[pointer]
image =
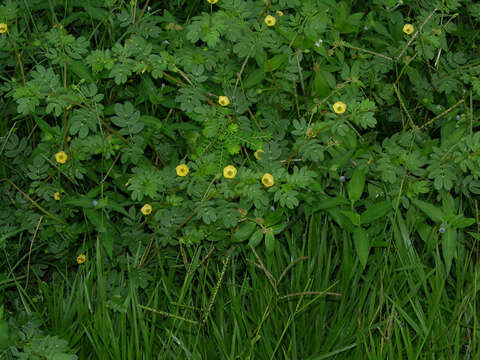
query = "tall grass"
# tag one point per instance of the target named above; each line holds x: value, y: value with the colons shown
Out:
x: 310, y: 300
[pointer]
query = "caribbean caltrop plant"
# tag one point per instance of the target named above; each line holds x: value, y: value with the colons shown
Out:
x: 219, y: 116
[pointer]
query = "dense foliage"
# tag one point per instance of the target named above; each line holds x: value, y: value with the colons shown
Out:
x: 142, y: 136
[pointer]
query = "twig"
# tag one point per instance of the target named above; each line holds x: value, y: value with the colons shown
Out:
x: 264, y: 10
x: 51, y: 216
x: 302, y: 85
x: 255, y: 120
x: 289, y: 266
x: 440, y: 115
x: 217, y: 286
x: 21, y: 68
x: 166, y: 314
x: 270, y: 277
x: 437, y: 60
x: 143, y: 10
x: 471, y: 113
x: 111, y: 167
x: 242, y: 69
x: 410, y: 120
x: 415, y: 35
x: 30, y: 251
x: 346, y: 44
x: 303, y: 293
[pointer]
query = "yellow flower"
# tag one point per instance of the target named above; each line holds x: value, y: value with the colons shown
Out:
x: 56, y: 196
x: 223, y: 100
x: 212, y: 1
x: 3, y: 28
x: 257, y: 154
x: 81, y: 258
x: 267, y: 180
x: 146, y: 209
x: 408, y: 29
x: 270, y: 20
x: 339, y: 107
x: 61, y: 157
x: 182, y: 170
x: 279, y: 13
x: 229, y: 171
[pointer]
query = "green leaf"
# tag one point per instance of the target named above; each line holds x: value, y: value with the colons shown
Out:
x: 108, y: 239
x: 316, y: 25
x: 4, y: 334
x: 244, y: 231
x: 97, y: 218
x: 43, y: 125
x: 151, y: 121
x: 275, y: 62
x: 254, y: 78
x: 449, y: 243
x: 321, y: 86
x: 432, y: 211
x: 230, y: 217
x: 356, y: 184
x: 128, y: 119
x: 362, y: 245
x: 375, y: 212
x: 83, y: 121
x: 277, y: 229
x: 352, y: 216
x: 208, y: 215
x: 274, y: 217
x: 269, y: 241
x: 286, y: 198
x: 256, y: 238
x: 461, y: 222
x: 87, y: 203
x: 327, y: 202
x: 211, y: 38
x: 80, y: 69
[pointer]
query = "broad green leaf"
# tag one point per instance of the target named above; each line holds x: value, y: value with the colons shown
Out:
x: 254, y: 78
x: 474, y: 235
x: 362, y: 244
x: 5, y: 342
x: 43, y: 125
x: 316, y: 26
x: 356, y: 184
x: 275, y: 62
x: 462, y: 222
x: 256, y: 238
x: 449, y: 243
x: 97, y: 13
x: 341, y: 219
x: 244, y: 231
x: 338, y: 161
x: 107, y: 239
x: 274, y: 217
x: 87, y: 203
x: 277, y: 229
x: 352, y: 216
x: 97, y: 218
x: 432, y: 211
x: 151, y: 121
x: 375, y: 212
x: 80, y: 69
x: 269, y: 241
x: 321, y: 86
x: 327, y: 202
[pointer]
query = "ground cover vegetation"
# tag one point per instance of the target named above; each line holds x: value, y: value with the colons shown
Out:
x: 239, y: 179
